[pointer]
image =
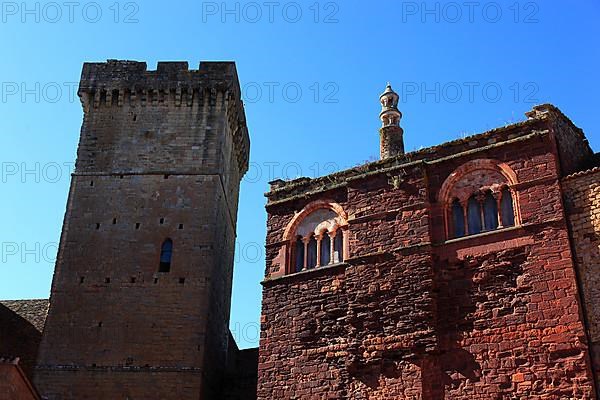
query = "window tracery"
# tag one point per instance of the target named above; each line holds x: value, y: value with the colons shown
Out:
x: 479, y: 197
x: 318, y: 237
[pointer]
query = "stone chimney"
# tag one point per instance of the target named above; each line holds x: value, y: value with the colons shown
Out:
x: 391, y: 135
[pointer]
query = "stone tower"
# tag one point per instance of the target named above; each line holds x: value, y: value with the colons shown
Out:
x: 391, y: 135
x: 142, y: 288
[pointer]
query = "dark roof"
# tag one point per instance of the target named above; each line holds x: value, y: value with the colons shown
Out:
x: 582, y: 173
x: 34, y: 311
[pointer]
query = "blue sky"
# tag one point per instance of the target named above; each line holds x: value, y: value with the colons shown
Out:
x: 311, y: 74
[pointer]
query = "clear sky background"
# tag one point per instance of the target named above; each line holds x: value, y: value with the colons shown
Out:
x: 311, y: 73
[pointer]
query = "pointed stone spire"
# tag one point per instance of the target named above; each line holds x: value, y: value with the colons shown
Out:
x: 391, y: 135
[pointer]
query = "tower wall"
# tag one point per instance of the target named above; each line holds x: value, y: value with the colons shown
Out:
x: 161, y: 156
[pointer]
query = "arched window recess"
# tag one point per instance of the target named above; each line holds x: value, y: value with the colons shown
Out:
x: 166, y: 255
x: 479, y: 197
x: 317, y: 237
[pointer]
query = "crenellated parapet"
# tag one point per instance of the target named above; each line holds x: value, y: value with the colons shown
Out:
x: 119, y: 82
x: 213, y: 87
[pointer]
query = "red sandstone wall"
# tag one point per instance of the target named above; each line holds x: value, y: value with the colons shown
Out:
x: 412, y: 316
x: 508, y: 301
x: 362, y: 330
x: 582, y: 198
x: 14, y: 385
x: 574, y: 151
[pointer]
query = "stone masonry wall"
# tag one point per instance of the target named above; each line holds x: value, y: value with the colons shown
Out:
x: 510, y: 299
x: 240, y: 381
x: 574, y: 151
x: 361, y: 329
x: 161, y: 156
x: 413, y: 315
x: 582, y: 200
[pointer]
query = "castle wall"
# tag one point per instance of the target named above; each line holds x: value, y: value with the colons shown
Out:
x: 582, y: 201
x: 509, y: 321
x: 573, y: 149
x: 413, y: 315
x: 361, y: 330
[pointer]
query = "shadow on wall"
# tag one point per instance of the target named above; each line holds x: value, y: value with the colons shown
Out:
x: 19, y: 338
x: 473, y: 294
x: 455, y: 303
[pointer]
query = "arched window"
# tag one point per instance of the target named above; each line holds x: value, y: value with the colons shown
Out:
x: 458, y: 219
x: 474, y: 215
x: 508, y: 211
x: 316, y: 237
x: 479, y: 197
x: 490, y: 212
x: 166, y: 254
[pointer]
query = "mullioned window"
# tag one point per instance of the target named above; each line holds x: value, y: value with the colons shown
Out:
x: 479, y: 197
x: 316, y: 237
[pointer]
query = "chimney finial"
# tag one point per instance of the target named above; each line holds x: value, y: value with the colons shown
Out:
x: 391, y: 134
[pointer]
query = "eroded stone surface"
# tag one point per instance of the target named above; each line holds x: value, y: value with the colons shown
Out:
x: 582, y: 199
x: 161, y: 157
x: 414, y: 315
